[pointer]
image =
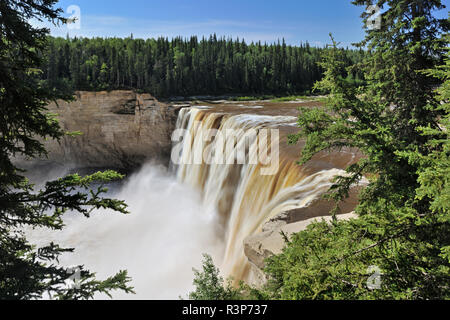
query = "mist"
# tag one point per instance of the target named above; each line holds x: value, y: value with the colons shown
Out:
x: 159, y: 242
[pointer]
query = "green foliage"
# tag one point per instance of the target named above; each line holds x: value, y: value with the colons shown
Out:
x: 210, y: 285
x: 293, y: 98
x: 252, y: 98
x: 185, y: 67
x: 27, y: 271
x: 434, y: 171
x: 334, y: 262
x: 398, y: 122
x: 401, y: 125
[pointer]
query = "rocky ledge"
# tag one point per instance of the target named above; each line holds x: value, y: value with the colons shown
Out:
x: 271, y: 241
x: 119, y: 129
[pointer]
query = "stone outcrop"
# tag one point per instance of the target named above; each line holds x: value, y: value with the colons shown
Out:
x: 316, y: 208
x: 120, y: 129
x: 271, y: 242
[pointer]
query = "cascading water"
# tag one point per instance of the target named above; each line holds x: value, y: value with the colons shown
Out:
x: 158, y: 243
x: 244, y: 197
x: 218, y: 203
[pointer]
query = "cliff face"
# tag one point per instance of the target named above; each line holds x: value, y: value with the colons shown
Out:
x: 270, y: 241
x: 123, y: 129
x: 120, y: 129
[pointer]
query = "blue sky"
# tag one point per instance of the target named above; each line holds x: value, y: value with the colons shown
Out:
x: 265, y: 20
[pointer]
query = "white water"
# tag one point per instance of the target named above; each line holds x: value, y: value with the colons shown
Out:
x: 159, y: 243
x: 245, y: 199
x: 175, y: 219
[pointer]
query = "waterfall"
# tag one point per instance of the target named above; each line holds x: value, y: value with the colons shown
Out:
x: 244, y: 196
x: 208, y: 202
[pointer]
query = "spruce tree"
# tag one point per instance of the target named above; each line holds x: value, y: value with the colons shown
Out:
x: 27, y: 271
x: 402, y: 234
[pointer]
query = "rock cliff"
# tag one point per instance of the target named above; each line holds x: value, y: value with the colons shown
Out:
x: 120, y: 129
x: 270, y: 241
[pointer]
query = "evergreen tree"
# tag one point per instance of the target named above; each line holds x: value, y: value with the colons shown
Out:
x: 399, y: 245
x: 184, y: 66
x: 27, y: 271
x: 403, y: 226
x: 210, y: 285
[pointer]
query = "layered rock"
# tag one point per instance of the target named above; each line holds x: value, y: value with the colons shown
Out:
x: 120, y: 129
x: 271, y: 242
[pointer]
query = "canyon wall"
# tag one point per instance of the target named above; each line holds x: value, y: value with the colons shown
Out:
x: 124, y: 129
x: 119, y: 129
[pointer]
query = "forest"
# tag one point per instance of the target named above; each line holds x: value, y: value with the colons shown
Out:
x: 398, y: 119
x: 186, y: 67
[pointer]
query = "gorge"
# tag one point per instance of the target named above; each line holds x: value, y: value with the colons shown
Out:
x: 193, y: 162
x: 178, y: 212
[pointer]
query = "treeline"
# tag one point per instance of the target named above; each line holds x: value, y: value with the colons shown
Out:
x: 184, y: 67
